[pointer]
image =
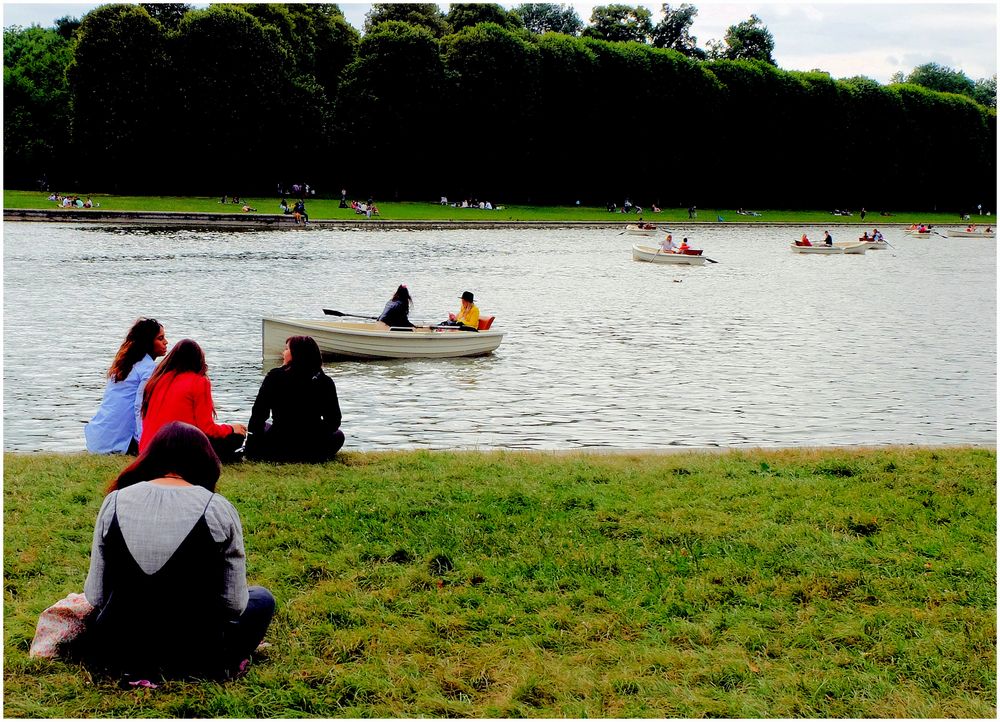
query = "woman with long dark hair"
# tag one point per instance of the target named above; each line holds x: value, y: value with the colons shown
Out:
x: 179, y: 390
x: 168, y: 568
x: 303, y: 403
x: 396, y: 313
x: 117, y: 425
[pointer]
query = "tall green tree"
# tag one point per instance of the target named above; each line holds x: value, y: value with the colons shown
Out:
x: 169, y: 14
x: 241, y: 110
x: 674, y: 31
x: 319, y: 40
x: 620, y: 23
x: 464, y: 15
x: 494, y: 89
x: 748, y: 40
x: 36, y: 121
x: 391, y: 127
x: 117, y: 79
x: 565, y: 97
x: 425, y: 15
x: 548, y: 17
x: 942, y: 79
x: 985, y: 92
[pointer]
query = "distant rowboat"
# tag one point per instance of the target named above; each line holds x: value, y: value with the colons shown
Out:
x: 966, y: 233
x: 655, y: 255
x: 645, y: 229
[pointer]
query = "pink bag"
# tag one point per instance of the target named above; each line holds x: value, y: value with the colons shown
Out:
x: 61, y: 623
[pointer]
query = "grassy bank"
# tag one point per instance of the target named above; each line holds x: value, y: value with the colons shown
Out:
x: 327, y: 209
x: 786, y: 583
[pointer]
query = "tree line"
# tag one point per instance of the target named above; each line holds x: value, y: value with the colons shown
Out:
x: 523, y: 105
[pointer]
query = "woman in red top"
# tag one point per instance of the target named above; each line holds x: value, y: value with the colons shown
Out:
x: 179, y: 390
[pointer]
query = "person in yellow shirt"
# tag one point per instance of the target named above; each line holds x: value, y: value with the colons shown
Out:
x: 467, y: 316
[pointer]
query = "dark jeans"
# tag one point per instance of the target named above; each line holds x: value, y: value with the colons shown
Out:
x: 226, y: 447
x: 266, y: 447
x: 245, y: 633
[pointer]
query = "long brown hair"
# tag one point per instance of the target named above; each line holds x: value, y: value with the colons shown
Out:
x: 137, y: 344
x: 306, y: 357
x: 186, y: 355
x: 177, y: 448
x: 403, y: 294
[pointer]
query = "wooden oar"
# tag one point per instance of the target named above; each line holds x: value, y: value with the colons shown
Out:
x: 330, y: 312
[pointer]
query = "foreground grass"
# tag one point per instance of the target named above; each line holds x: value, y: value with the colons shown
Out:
x: 789, y: 583
x: 327, y: 209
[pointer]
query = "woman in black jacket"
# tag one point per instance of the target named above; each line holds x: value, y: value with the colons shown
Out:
x: 302, y: 403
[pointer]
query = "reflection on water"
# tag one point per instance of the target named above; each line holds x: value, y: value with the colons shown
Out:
x: 765, y: 348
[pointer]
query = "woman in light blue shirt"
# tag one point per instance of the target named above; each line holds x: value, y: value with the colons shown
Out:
x: 117, y: 425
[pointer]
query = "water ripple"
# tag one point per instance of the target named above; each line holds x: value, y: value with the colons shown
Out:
x: 765, y: 348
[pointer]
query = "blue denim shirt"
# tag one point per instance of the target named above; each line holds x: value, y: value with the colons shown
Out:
x: 119, y: 418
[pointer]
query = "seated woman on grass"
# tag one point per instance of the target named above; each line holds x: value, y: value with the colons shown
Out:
x: 179, y: 390
x: 117, y: 425
x: 168, y: 569
x: 302, y: 401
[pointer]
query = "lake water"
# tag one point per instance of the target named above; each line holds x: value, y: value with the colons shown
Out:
x: 765, y: 348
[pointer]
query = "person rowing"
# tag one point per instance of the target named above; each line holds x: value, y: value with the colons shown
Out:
x: 667, y: 245
x: 396, y: 313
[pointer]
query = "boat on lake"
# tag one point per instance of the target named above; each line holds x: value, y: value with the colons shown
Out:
x: 869, y: 244
x: 836, y: 249
x: 641, y: 229
x: 655, y: 255
x: 349, y: 340
x: 966, y: 233
x: 918, y: 232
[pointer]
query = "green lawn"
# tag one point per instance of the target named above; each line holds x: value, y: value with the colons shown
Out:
x: 326, y: 209
x: 785, y: 583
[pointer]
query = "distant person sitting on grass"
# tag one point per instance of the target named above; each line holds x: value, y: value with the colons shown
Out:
x: 168, y: 569
x: 247, y: 208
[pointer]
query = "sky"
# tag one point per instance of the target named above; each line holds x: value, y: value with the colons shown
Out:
x: 844, y: 39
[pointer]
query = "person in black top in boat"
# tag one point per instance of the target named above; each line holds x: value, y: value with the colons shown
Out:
x: 396, y: 313
x: 168, y: 569
x: 302, y: 401
x: 827, y: 238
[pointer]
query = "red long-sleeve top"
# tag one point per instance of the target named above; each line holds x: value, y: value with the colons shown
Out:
x: 183, y: 397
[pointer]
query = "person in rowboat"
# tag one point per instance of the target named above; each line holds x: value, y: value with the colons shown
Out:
x: 117, y: 425
x: 804, y: 241
x: 827, y: 238
x: 684, y: 246
x: 302, y: 402
x: 667, y: 245
x: 467, y: 317
x: 396, y: 313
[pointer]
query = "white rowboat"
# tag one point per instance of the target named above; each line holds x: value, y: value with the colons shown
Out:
x: 634, y: 230
x: 651, y: 255
x: 344, y: 339
x: 911, y: 232
x: 962, y: 233
x: 825, y: 250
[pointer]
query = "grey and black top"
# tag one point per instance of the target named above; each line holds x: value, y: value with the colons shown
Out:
x: 154, y: 521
